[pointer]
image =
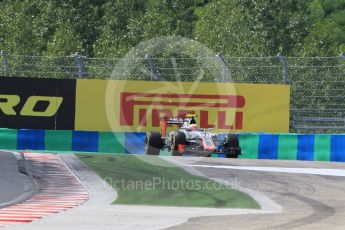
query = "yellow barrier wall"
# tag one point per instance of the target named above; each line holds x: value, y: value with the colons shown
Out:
x: 136, y: 106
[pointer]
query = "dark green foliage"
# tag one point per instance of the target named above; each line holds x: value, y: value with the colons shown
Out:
x: 105, y: 28
x: 253, y: 28
x: 326, y: 35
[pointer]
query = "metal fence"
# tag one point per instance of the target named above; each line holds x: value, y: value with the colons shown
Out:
x: 317, y: 83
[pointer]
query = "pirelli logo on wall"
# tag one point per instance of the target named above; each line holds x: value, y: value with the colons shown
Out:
x: 164, y: 104
x: 37, y: 103
x: 137, y: 106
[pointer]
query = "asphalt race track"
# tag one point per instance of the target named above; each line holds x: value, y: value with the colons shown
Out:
x: 310, y: 196
x: 13, y: 184
x: 308, y: 201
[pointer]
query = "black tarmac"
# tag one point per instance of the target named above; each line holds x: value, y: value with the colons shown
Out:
x: 13, y: 184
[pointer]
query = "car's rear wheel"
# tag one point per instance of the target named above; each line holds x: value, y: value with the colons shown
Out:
x: 231, y: 147
x: 153, y: 143
x: 178, y: 139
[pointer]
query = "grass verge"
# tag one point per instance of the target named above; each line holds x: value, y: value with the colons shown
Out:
x: 149, y: 180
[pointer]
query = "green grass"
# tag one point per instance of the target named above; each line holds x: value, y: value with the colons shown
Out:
x: 149, y: 180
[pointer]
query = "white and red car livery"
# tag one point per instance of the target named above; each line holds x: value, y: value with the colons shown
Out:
x: 189, y: 139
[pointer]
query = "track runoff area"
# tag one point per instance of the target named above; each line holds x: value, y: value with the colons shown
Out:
x: 232, y: 193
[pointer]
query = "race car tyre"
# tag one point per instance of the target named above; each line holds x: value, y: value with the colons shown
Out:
x: 178, y: 139
x: 231, y: 147
x: 153, y: 143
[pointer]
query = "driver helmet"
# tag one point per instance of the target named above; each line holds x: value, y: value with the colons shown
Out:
x: 193, y: 127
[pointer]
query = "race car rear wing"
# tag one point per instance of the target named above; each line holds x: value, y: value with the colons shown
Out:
x: 174, y: 121
x: 170, y: 121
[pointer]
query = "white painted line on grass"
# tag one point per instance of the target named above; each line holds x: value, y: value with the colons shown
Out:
x: 314, y: 171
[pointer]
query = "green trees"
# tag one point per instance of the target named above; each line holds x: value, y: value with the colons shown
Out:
x: 78, y: 20
x: 170, y: 17
x: 326, y: 35
x: 27, y: 27
x: 107, y: 28
x: 127, y: 22
x: 65, y: 41
x: 18, y: 33
x: 121, y: 27
x: 252, y: 28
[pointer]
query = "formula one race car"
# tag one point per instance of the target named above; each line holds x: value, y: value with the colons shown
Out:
x: 189, y: 139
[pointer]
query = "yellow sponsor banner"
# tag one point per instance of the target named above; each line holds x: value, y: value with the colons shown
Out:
x: 138, y: 106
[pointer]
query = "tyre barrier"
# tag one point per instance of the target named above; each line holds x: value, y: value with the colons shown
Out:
x: 278, y: 146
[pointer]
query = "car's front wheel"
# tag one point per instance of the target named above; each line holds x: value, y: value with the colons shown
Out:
x: 231, y: 147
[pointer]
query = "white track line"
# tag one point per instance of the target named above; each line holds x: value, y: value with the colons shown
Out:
x: 314, y: 171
